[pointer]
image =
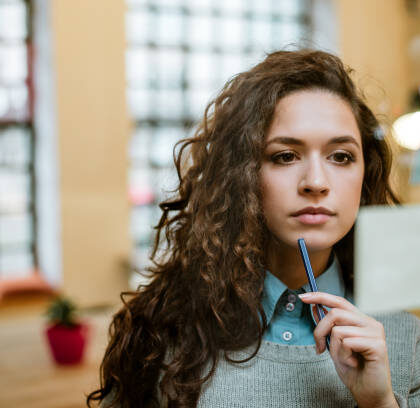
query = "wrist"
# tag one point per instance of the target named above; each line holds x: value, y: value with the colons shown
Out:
x: 391, y: 402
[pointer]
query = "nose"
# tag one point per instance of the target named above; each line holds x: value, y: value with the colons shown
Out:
x: 314, y: 179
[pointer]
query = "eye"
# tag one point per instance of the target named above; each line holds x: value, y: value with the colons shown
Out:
x: 284, y: 157
x: 343, y: 157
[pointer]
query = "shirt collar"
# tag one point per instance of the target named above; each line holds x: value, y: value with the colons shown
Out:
x: 330, y: 281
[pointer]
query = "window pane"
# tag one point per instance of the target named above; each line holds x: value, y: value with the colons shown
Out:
x: 14, y: 147
x: 232, y: 33
x: 287, y: 33
x: 288, y: 8
x: 201, y: 69
x: 162, y: 145
x: 200, y: 5
x: 169, y: 68
x: 169, y: 104
x: 138, y: 67
x: 139, y: 145
x: 13, y: 64
x: 201, y: 31
x: 138, y: 26
x: 16, y: 264
x: 141, y: 185
x: 169, y: 29
x: 15, y: 191
x: 139, y: 103
x: 13, y: 21
x: 141, y: 228
x: 15, y: 229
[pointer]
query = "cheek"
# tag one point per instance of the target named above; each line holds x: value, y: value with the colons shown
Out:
x: 275, y: 189
x: 349, y: 192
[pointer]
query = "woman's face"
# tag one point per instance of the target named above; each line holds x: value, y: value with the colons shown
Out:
x: 313, y: 158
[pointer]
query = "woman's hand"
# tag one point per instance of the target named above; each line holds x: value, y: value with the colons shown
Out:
x: 358, y: 349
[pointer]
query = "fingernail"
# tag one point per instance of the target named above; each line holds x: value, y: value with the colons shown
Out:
x: 305, y: 295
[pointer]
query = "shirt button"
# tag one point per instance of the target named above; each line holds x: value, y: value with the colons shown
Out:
x: 287, y: 335
x: 290, y: 307
x: 291, y: 297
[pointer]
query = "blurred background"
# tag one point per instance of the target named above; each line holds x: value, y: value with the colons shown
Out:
x: 93, y: 96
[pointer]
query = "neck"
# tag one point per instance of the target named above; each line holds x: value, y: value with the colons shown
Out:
x: 285, y: 262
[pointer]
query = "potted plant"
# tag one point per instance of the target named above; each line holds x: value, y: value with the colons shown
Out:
x: 66, y: 334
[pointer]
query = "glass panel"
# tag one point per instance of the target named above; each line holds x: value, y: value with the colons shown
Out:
x: 135, y: 3
x: 138, y: 26
x: 166, y: 179
x: 198, y: 100
x: 170, y: 3
x: 232, y: 6
x: 141, y: 228
x: 139, y: 145
x: 162, y: 145
x: 231, y: 65
x: 169, y: 29
x: 169, y: 68
x: 13, y: 21
x: 232, y: 33
x: 16, y: 264
x: 200, y: 5
x: 4, y: 102
x: 141, y: 256
x: 288, y: 8
x: 169, y: 104
x: 13, y: 64
x: 18, y: 99
x: 201, y: 68
x: 201, y: 31
x: 14, y: 147
x: 138, y: 67
x: 15, y: 190
x: 261, y: 35
x: 262, y: 6
x: 15, y: 229
x: 287, y: 33
x: 141, y: 185
x: 139, y: 103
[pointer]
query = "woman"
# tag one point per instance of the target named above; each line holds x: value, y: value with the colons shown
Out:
x: 287, y: 150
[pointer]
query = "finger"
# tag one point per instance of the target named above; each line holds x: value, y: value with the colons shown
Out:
x: 346, y: 355
x: 338, y: 333
x: 327, y: 299
x: 372, y: 349
x: 335, y: 317
x: 315, y: 312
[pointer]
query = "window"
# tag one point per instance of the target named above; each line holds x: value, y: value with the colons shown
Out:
x: 179, y: 54
x: 17, y: 221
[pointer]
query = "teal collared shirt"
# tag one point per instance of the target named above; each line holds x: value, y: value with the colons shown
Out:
x: 289, y: 320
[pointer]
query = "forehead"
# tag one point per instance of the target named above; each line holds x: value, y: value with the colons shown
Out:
x: 313, y: 115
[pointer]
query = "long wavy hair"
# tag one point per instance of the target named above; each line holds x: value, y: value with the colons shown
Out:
x: 203, y: 299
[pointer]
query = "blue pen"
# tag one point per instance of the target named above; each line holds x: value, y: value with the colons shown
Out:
x: 311, y: 279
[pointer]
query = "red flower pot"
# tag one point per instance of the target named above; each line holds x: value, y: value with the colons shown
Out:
x: 67, y: 343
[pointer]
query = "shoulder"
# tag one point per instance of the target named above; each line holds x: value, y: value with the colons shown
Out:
x: 402, y: 332
x: 399, y: 323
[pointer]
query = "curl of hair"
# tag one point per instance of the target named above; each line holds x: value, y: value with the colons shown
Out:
x: 204, y: 297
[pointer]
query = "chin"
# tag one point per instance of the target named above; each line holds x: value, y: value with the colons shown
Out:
x: 315, y: 241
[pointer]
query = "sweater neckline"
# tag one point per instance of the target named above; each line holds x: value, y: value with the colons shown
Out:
x: 282, y: 353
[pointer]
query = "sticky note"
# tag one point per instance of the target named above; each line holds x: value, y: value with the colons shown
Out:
x: 387, y: 259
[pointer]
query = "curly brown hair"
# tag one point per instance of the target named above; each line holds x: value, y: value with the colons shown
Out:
x: 205, y: 293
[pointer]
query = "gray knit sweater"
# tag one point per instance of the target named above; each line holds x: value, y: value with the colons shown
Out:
x: 295, y: 376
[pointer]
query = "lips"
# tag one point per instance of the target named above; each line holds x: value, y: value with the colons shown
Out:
x: 313, y: 210
x: 313, y: 215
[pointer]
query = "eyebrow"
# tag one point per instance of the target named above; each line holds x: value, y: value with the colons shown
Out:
x: 293, y: 141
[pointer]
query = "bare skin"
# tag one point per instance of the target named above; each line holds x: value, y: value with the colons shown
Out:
x: 306, y: 165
